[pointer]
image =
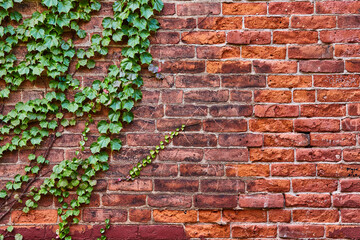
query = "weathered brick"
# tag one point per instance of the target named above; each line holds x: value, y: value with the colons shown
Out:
x: 293, y: 170
x: 127, y: 200
x: 323, y: 110
x: 251, y: 231
x: 271, y: 155
x: 347, y: 50
x: 99, y: 215
x: 346, y: 200
x: 286, y: 140
x: 247, y: 170
x: 313, y: 22
x: 175, y: 216
x: 244, y: 8
x: 350, y: 185
x: 190, y: 81
x: 318, y: 155
x: 249, y: 37
x: 228, y: 67
x: 183, y: 67
x: 348, y: 21
x: 266, y: 22
x: 268, y: 185
x: 279, y: 215
x: 299, y: 37
x: 208, y: 230
x: 244, y: 215
x: 203, y: 37
x: 352, y: 65
x: 235, y: 81
x: 220, y: 23
x: 338, y: 7
x: 178, y: 185
x: 328, y: 66
x: 173, y: 200
x: 177, y: 23
x: 189, y: 170
x: 272, y: 96
x: 215, y: 201
x: 350, y: 215
x: 337, y: 170
x: 317, y: 125
x: 139, y: 215
x: 193, y: 9
x: 301, y: 96
x: 314, y: 185
x: 172, y: 52
x: 276, y: 111
x: 308, y: 200
x: 262, y: 201
x: 315, y: 215
x: 35, y: 217
x: 336, y: 139
x: 270, y: 125
x: 222, y: 185
x: 275, y: 66
x: 212, y: 52
x: 300, y: 231
x: 206, y: 96
x: 209, y: 216
x: 263, y: 52
x: 246, y: 139
x: 351, y: 155
x: 340, y: 36
x: 348, y: 80
x: 310, y: 52
x: 231, y: 110
x: 291, y: 8
x: 226, y: 154
x: 342, y: 231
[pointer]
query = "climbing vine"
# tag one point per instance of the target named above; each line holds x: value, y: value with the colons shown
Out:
x: 50, y: 55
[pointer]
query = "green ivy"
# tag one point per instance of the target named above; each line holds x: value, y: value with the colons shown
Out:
x: 50, y: 54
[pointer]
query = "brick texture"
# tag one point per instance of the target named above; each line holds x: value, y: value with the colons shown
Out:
x: 270, y: 91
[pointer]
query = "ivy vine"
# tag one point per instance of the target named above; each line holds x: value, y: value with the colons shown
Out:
x: 50, y: 54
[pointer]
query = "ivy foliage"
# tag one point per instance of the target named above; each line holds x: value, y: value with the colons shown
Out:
x: 50, y: 53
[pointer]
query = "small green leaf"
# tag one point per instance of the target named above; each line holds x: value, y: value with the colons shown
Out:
x: 10, y: 228
x: 116, y: 144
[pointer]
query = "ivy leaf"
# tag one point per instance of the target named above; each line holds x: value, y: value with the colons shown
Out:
x: 16, y: 16
x: 18, y: 236
x: 3, y: 194
x: 115, y: 128
x: 157, y: 4
x: 50, y: 3
x: 103, y: 141
x: 10, y: 229
x: 128, y: 105
x: 128, y: 117
x: 133, y: 41
x: 146, y: 58
x: 117, y: 36
x: 114, y: 116
x: 133, y: 5
x: 64, y: 6
x: 146, y: 12
x: 107, y: 22
x: 94, y: 147
x: 90, y: 64
x: 117, y: 6
x: 103, y: 127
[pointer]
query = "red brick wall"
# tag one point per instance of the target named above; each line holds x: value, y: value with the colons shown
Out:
x: 270, y: 92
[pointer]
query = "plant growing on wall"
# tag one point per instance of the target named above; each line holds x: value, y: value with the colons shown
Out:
x: 50, y: 55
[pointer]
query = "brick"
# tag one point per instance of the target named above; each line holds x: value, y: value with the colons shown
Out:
x: 348, y: 80
x: 340, y: 36
x: 350, y: 215
x: 262, y: 201
x: 276, y: 111
x: 208, y: 230
x: 249, y: 37
x: 228, y: 67
x: 308, y: 200
x: 203, y: 37
x: 338, y: 7
x: 206, y: 96
x: 141, y: 185
x: 350, y: 124
x: 220, y: 23
x: 222, y: 125
x: 172, y: 200
x: 354, y: 109
x: 244, y: 8
x: 291, y: 8
x: 35, y: 216
x: 346, y: 200
x: 351, y: 155
x: 142, y: 139
x: 344, y: 231
x: 300, y: 231
x: 251, y: 231
x: 185, y: 110
x: 286, y: 140
x: 317, y: 125
x: 180, y: 155
x: 318, y: 155
x: 189, y: 170
x: 178, y: 185
x: 352, y: 65
x: 293, y: 170
x: 222, y: 185
x: 246, y: 139
x: 175, y: 216
x: 212, y: 52
x: 252, y: 215
x: 139, y: 215
x: 183, y: 67
x: 172, y: 52
x: 266, y: 22
x: 157, y: 232
x: 313, y: 22
x: 326, y: 140
x: 327, y: 66
x: 272, y: 96
x: 350, y: 185
x: 304, y: 96
x: 193, y: 9
x: 347, y: 50
x: 299, y: 37
x: 310, y: 52
x: 177, y: 23
x: 275, y: 66
x: 209, y: 216
x: 165, y: 38
x: 242, y: 81
x: 240, y: 96
x: 195, y: 140
x: 315, y: 215
x: 247, y: 170
x: 263, y: 52
x: 161, y: 170
x: 314, y: 185
x: 349, y: 21
x: 99, y: 215
x: 231, y: 110
x: 190, y: 81
x: 270, y: 125
x: 173, y: 123
x: 337, y: 170
x: 215, y: 201
x: 279, y: 215
x: 268, y: 185
x: 271, y: 155
x: 126, y: 200
x: 149, y: 111
x: 323, y: 110
x: 226, y: 154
